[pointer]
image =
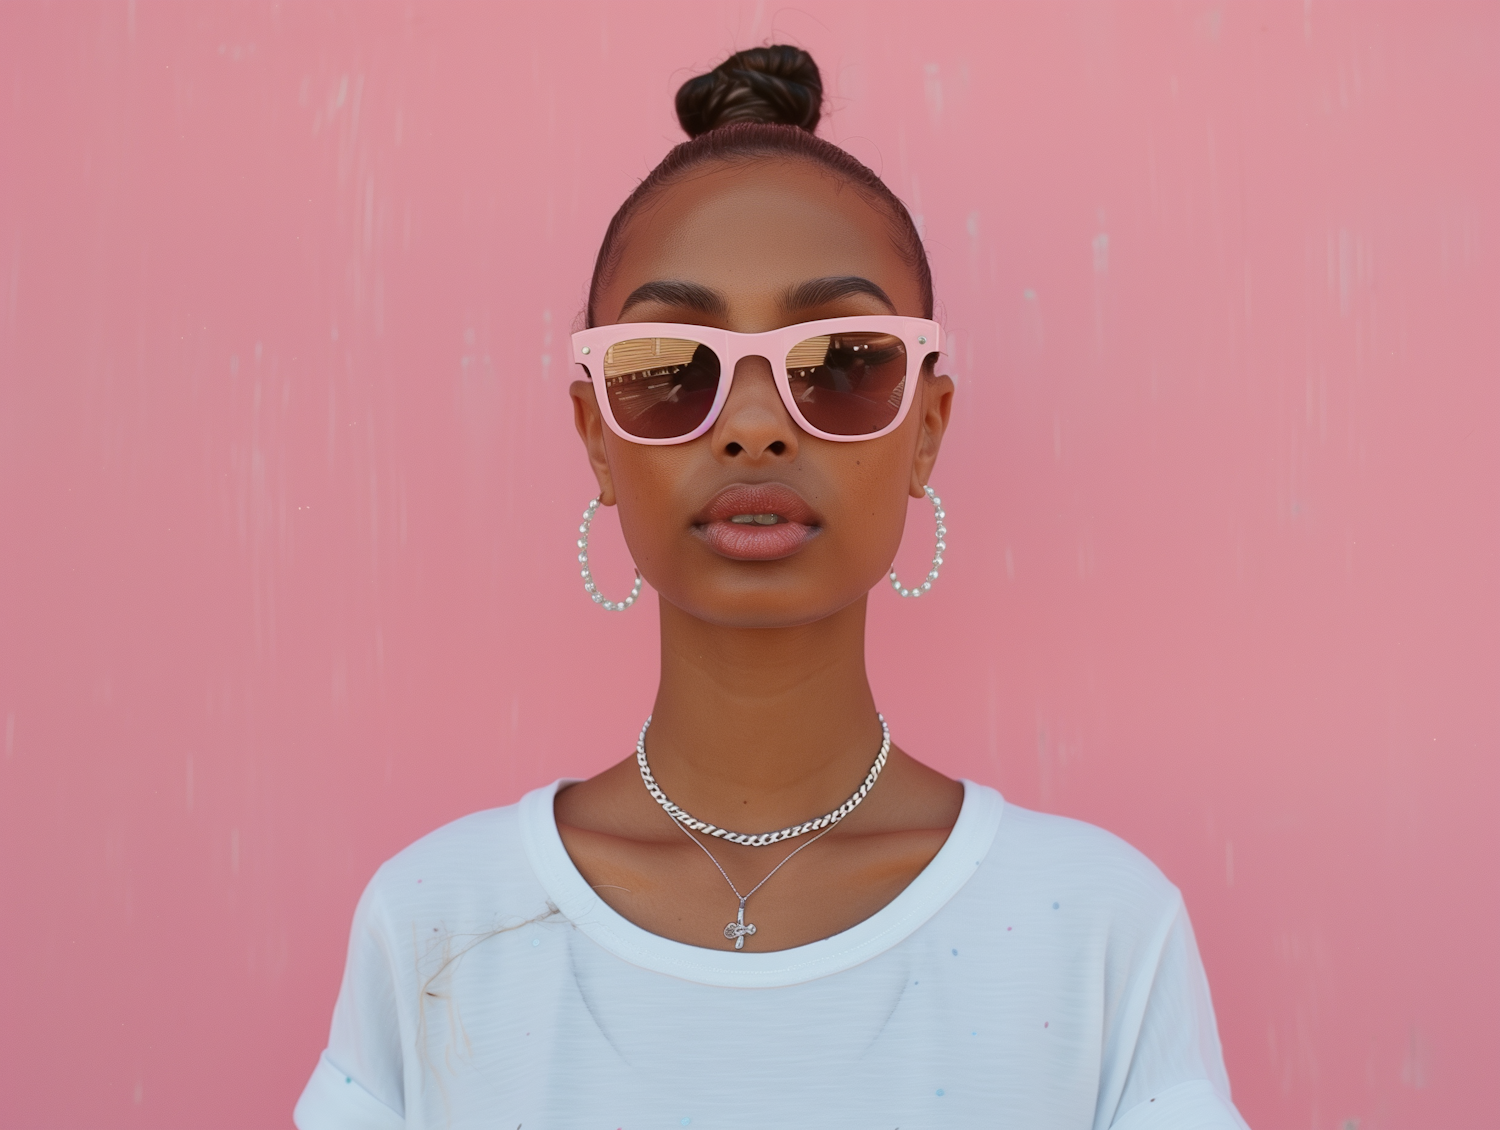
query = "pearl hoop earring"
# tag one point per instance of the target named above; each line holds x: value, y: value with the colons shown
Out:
x: 937, y: 555
x: 588, y: 578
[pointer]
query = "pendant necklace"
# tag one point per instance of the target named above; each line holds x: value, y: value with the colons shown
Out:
x: 739, y: 929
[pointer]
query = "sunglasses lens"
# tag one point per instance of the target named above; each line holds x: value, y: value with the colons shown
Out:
x: 660, y: 387
x: 848, y: 384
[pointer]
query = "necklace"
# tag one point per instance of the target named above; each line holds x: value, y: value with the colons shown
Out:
x: 824, y: 822
x: 739, y: 928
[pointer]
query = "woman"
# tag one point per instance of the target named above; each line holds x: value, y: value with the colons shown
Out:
x: 770, y: 915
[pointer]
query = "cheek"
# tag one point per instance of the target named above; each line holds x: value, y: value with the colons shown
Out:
x: 869, y: 506
x: 649, y: 483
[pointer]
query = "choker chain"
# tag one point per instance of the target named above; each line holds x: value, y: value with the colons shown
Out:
x: 762, y: 839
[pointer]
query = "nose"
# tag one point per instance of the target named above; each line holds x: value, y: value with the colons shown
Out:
x: 754, y: 425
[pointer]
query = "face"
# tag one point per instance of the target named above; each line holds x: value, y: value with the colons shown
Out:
x: 756, y: 523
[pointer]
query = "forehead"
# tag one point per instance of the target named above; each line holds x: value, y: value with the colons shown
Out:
x: 753, y: 230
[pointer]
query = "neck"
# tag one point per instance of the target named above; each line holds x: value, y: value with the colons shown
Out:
x: 757, y: 728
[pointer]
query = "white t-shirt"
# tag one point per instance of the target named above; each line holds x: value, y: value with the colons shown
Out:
x: 1039, y: 973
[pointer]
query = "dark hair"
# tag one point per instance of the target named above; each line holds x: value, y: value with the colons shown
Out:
x: 763, y: 102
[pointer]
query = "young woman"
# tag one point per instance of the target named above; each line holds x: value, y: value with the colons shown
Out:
x: 769, y: 915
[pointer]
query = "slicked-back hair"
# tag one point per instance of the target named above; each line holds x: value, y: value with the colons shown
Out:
x: 744, y: 143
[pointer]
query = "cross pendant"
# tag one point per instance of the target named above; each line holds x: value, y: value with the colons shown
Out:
x: 738, y: 928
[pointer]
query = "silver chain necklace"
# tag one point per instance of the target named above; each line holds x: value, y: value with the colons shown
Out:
x: 763, y: 839
x: 739, y: 929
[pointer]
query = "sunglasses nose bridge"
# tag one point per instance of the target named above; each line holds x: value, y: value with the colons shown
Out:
x: 751, y: 354
x: 748, y: 367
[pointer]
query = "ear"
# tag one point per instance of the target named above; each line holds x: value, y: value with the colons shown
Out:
x: 591, y: 428
x: 932, y: 409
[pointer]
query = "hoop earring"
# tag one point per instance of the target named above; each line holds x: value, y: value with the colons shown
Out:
x: 937, y: 555
x: 588, y: 578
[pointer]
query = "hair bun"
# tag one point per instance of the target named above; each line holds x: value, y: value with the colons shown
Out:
x: 776, y: 84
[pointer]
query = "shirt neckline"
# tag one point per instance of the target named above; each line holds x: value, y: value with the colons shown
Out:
x: 959, y: 857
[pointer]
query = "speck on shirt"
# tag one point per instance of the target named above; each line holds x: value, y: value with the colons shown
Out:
x: 1039, y: 973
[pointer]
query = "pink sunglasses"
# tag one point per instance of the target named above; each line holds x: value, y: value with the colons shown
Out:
x: 842, y: 379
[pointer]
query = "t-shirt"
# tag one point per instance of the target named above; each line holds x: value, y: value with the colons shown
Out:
x: 1038, y: 973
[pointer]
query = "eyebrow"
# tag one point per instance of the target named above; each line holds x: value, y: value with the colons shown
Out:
x: 803, y: 296
x: 820, y: 292
x: 669, y: 292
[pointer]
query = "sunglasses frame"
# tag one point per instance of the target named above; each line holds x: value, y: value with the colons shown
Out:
x: 921, y: 336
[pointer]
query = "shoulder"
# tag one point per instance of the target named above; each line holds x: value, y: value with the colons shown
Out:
x: 1042, y: 858
x: 1076, y: 849
x: 459, y: 840
x: 469, y: 872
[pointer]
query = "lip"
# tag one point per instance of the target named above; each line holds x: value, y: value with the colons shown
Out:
x: 799, y: 522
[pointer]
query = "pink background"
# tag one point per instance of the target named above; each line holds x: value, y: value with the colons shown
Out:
x: 288, y: 485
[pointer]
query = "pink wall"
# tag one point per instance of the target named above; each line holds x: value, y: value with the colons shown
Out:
x: 288, y: 480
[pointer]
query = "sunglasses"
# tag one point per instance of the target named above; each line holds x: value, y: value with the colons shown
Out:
x: 842, y: 379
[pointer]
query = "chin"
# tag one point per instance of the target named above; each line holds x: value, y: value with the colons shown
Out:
x: 779, y: 606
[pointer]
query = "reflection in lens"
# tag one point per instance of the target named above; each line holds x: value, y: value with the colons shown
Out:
x: 660, y: 387
x: 848, y: 384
